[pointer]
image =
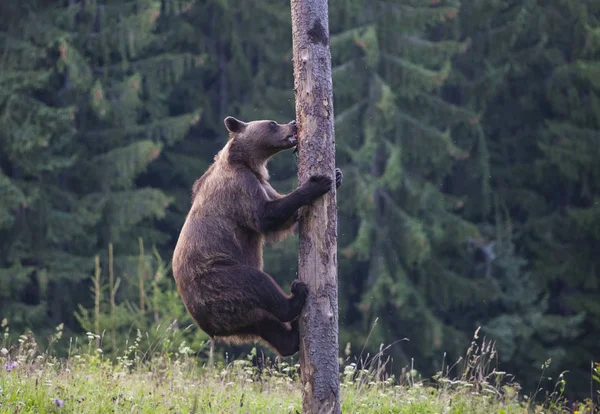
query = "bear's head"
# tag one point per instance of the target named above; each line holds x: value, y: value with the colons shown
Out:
x: 257, y: 141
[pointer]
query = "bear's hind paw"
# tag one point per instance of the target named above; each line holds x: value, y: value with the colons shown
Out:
x: 299, y: 288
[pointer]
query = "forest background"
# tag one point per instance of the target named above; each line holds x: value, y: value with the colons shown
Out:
x: 468, y: 133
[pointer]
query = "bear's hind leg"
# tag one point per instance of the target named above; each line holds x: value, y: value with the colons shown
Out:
x: 237, y: 290
x: 279, y: 336
x: 285, y: 307
x: 286, y: 341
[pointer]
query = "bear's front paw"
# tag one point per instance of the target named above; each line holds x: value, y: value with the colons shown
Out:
x: 338, y: 177
x: 299, y: 289
x: 319, y: 184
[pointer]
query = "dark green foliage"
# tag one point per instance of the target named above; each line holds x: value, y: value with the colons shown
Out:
x: 565, y: 238
x: 125, y: 120
x: 401, y: 141
x: 467, y: 132
x: 39, y: 214
x: 502, y: 77
x: 82, y: 118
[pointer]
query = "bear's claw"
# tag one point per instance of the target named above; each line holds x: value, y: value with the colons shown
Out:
x: 338, y: 177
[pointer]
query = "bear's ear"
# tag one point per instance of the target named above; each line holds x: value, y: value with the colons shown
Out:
x: 234, y: 125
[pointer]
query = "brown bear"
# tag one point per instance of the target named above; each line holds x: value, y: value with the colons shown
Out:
x: 218, y: 259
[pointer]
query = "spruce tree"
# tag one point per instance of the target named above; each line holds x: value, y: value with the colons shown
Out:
x: 40, y: 221
x: 500, y: 78
x: 566, y: 238
x: 93, y: 115
x: 125, y: 119
x: 403, y: 235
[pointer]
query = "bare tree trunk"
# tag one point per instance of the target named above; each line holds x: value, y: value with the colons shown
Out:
x: 317, y: 264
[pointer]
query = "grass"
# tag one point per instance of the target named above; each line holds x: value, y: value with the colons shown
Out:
x: 167, y: 380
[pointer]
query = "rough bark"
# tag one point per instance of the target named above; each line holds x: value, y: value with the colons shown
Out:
x: 317, y: 266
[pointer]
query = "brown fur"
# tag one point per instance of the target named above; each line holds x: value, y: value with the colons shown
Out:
x: 218, y: 259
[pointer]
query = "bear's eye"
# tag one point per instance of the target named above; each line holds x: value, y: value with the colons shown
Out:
x: 273, y: 124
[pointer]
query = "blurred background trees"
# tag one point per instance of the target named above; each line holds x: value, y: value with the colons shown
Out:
x: 467, y: 131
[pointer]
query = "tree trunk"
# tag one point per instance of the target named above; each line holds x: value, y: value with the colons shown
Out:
x: 317, y: 265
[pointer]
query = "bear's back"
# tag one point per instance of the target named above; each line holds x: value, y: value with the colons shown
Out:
x: 217, y: 230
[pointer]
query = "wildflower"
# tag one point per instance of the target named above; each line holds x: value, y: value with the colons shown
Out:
x: 4, y: 351
x: 9, y: 366
x: 58, y: 402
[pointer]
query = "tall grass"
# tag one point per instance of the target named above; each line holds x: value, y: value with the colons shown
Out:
x: 153, y: 375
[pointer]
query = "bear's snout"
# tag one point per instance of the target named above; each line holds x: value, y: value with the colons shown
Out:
x: 293, y: 138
